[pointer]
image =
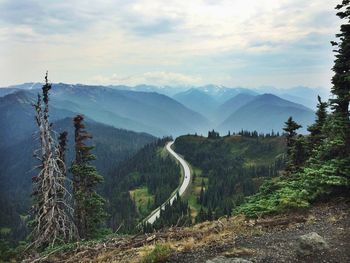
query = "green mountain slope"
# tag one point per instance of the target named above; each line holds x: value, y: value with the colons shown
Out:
x: 228, y: 168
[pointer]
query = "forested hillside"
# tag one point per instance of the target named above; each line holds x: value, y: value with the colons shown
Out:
x: 16, y: 165
x: 228, y: 168
x: 140, y: 184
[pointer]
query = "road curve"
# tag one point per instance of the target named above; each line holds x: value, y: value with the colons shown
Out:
x: 185, y: 183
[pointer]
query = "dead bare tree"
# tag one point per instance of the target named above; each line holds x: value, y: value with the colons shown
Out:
x: 53, y: 221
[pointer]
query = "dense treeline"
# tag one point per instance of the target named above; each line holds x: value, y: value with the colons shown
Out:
x: 318, y: 165
x: 112, y: 146
x: 234, y: 165
x: 150, y: 167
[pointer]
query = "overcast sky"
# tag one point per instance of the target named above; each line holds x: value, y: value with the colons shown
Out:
x: 249, y: 43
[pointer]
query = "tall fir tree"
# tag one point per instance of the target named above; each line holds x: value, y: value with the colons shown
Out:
x: 341, y: 82
x: 316, y: 129
x: 293, y: 145
x: 62, y: 144
x: 89, y: 211
x: 333, y: 156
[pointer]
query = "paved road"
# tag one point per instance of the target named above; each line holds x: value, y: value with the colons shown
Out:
x: 185, y: 183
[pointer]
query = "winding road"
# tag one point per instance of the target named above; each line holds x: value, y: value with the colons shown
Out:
x: 185, y: 183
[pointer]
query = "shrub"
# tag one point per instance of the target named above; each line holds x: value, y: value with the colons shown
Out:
x: 160, y: 253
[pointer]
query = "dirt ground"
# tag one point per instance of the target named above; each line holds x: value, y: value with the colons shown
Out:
x: 271, y: 239
x: 277, y: 241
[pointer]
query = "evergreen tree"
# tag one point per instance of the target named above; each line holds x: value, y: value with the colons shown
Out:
x: 299, y: 151
x: 89, y: 206
x: 201, y: 216
x: 316, y: 129
x: 201, y: 195
x: 341, y: 83
x: 62, y: 144
x: 290, y: 128
x: 213, y: 134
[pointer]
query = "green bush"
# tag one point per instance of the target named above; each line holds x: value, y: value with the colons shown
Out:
x: 159, y: 254
x: 296, y: 191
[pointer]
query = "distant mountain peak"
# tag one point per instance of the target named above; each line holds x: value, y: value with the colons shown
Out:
x: 20, y: 96
x: 269, y: 96
x: 271, y: 99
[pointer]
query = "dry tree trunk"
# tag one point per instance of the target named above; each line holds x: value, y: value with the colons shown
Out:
x: 52, y: 213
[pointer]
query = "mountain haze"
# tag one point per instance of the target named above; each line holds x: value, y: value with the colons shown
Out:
x: 231, y: 105
x: 265, y: 113
x: 139, y: 111
x: 196, y: 109
x: 198, y: 100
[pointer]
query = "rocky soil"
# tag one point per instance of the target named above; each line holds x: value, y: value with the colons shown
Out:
x: 279, y: 240
x: 235, y: 239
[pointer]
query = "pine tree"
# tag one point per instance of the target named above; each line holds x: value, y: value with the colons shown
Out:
x: 316, y: 129
x: 201, y: 215
x: 62, y: 143
x: 299, y: 152
x: 291, y: 127
x: 201, y: 195
x: 341, y: 82
x: 89, y: 206
x: 52, y: 214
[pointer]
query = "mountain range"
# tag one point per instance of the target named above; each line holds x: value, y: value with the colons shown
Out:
x: 163, y: 111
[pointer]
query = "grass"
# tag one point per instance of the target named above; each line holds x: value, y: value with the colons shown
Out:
x: 160, y: 253
x: 142, y: 199
x: 266, y: 153
x: 5, y: 231
x: 162, y: 151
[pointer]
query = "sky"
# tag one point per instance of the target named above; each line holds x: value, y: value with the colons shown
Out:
x: 250, y: 43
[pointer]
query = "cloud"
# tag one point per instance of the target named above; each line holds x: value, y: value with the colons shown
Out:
x: 159, y: 78
x: 160, y: 26
x: 211, y: 41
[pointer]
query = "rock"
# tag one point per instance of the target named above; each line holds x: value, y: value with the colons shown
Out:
x: 227, y: 260
x: 311, y: 244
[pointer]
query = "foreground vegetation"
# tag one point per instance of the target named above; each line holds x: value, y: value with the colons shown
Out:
x: 254, y: 240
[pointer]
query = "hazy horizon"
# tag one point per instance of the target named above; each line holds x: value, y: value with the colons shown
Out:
x: 184, y: 87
